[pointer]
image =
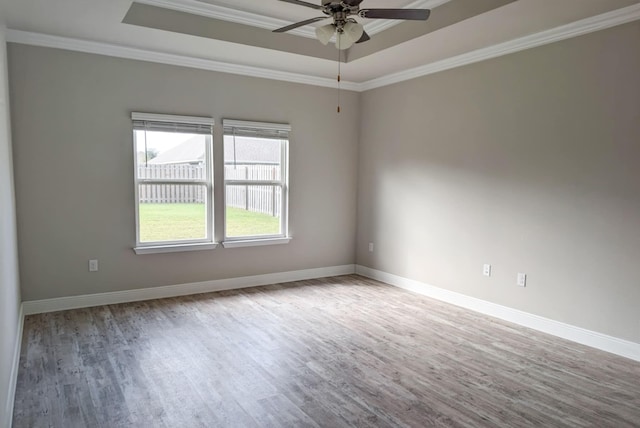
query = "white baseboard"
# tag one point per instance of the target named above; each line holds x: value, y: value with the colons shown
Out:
x: 89, y: 300
x: 580, y: 335
x: 15, y: 366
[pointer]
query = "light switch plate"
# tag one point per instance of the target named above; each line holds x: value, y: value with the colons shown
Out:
x: 522, y: 279
x: 486, y: 270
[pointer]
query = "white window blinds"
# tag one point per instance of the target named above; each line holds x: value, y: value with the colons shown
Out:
x: 170, y: 123
x: 242, y: 128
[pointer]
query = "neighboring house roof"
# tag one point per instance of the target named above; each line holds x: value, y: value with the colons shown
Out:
x: 191, y: 151
x: 246, y: 151
x: 249, y: 150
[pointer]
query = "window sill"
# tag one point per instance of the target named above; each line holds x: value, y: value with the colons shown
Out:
x: 176, y: 248
x: 255, y: 242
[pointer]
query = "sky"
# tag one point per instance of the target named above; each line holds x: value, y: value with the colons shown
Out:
x: 159, y: 141
x: 163, y: 141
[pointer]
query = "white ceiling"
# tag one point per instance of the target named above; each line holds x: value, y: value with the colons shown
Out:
x: 101, y: 21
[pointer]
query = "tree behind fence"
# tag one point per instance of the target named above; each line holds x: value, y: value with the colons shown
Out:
x: 261, y: 199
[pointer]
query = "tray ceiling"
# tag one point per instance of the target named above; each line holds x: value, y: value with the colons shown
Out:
x: 236, y: 34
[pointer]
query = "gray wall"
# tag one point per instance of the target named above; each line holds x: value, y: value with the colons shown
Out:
x: 9, y: 284
x: 74, y: 170
x: 529, y: 162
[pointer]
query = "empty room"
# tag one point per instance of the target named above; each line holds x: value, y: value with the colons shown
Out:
x: 319, y: 213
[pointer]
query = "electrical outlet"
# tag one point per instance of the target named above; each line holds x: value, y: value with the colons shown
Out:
x: 522, y: 279
x: 93, y: 266
x: 371, y: 247
x: 486, y: 270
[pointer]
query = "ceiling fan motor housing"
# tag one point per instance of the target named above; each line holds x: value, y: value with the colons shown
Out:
x: 346, y: 2
x: 341, y: 12
x: 331, y: 7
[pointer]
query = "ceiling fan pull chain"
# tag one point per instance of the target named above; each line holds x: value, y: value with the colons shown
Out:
x: 339, y: 51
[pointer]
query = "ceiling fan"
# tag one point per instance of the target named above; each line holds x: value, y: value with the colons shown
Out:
x: 347, y: 30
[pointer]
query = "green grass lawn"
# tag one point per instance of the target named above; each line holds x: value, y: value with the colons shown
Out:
x: 175, y: 222
x: 246, y: 223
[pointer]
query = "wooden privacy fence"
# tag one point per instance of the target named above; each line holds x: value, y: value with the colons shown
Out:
x: 266, y: 199
x: 257, y: 199
x: 172, y: 193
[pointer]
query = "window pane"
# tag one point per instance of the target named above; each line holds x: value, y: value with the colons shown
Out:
x: 172, y: 212
x: 253, y: 210
x: 252, y: 158
x: 170, y: 155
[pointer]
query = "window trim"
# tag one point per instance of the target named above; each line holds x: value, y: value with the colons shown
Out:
x: 256, y: 242
x: 283, y: 183
x: 159, y: 249
x: 206, y: 243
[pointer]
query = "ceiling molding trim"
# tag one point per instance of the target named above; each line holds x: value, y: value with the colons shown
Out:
x: 380, y: 25
x: 107, y: 49
x: 574, y: 29
x: 227, y: 14
x: 578, y: 28
x: 268, y: 23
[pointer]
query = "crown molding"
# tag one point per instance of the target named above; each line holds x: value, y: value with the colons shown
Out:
x: 574, y: 29
x: 255, y: 20
x: 107, y: 49
x: 578, y: 28
x: 227, y: 14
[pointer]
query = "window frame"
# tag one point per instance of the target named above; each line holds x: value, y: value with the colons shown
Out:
x: 206, y: 243
x: 257, y: 240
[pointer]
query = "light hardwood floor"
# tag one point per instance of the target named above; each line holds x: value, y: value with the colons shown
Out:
x: 335, y: 352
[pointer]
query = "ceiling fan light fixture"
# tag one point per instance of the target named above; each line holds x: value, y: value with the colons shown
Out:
x: 325, y: 33
x: 351, y: 33
x: 354, y: 30
x: 343, y: 42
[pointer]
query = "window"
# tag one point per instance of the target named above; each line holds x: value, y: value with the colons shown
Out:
x: 255, y: 183
x: 173, y: 182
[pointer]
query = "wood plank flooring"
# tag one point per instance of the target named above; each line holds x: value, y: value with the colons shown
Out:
x: 335, y: 352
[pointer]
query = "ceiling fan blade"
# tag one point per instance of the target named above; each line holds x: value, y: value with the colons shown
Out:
x: 409, y: 14
x: 303, y: 3
x: 299, y: 24
x: 364, y: 37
